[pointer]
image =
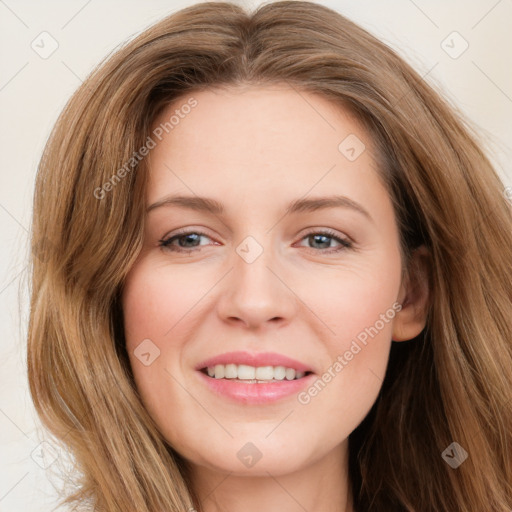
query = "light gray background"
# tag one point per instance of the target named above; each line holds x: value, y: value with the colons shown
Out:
x: 33, y: 90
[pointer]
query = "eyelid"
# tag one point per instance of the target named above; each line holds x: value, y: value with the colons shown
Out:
x: 323, y: 230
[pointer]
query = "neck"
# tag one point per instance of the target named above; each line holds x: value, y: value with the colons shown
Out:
x: 320, y: 486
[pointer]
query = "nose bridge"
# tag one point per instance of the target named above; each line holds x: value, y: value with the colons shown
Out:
x: 254, y: 291
x: 252, y: 263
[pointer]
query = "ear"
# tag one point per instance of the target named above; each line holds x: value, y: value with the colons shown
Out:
x: 414, y: 297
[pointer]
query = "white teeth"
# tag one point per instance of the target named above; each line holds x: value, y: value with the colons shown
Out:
x: 264, y: 373
x: 230, y: 371
x: 219, y: 371
x: 290, y: 374
x: 250, y: 373
x: 245, y: 372
x: 279, y: 372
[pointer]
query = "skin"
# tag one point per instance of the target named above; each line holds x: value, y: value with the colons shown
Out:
x: 255, y: 149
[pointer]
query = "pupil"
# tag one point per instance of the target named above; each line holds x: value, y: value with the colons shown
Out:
x: 188, y: 237
x: 322, y: 236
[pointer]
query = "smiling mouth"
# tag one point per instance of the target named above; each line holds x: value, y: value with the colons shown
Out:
x: 253, y: 375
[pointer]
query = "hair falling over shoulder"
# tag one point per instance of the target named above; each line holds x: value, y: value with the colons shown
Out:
x: 451, y: 384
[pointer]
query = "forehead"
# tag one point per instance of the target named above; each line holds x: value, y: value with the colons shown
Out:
x: 254, y: 140
x: 278, y: 118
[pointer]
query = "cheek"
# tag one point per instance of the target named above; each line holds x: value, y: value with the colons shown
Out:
x: 151, y: 307
x: 359, y: 313
x: 356, y: 303
x: 155, y: 303
x: 159, y: 308
x: 357, y: 355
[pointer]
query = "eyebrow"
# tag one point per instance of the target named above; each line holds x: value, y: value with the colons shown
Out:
x: 298, y: 206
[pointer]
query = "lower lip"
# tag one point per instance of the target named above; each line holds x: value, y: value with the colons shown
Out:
x: 256, y: 393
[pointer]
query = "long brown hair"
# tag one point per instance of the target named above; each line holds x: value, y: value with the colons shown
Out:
x: 453, y: 383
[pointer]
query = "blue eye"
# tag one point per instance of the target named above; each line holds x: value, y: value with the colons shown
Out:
x: 325, y: 238
x: 189, y: 241
x: 187, y: 236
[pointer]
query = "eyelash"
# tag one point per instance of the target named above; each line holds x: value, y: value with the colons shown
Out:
x: 345, y: 244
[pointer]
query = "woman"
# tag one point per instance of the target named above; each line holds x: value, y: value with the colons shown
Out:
x: 256, y: 370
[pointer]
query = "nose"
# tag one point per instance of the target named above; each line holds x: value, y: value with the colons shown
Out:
x: 256, y: 293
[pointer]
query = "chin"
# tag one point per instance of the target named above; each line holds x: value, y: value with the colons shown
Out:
x: 250, y: 455
x: 277, y: 464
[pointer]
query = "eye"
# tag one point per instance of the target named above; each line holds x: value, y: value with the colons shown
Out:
x: 324, y: 239
x: 187, y: 241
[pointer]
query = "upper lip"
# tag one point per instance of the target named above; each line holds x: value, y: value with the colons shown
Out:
x: 254, y: 359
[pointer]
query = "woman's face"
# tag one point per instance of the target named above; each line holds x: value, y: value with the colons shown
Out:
x: 262, y: 277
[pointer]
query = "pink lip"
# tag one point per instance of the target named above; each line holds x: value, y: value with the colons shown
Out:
x: 255, y: 393
x: 261, y: 359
